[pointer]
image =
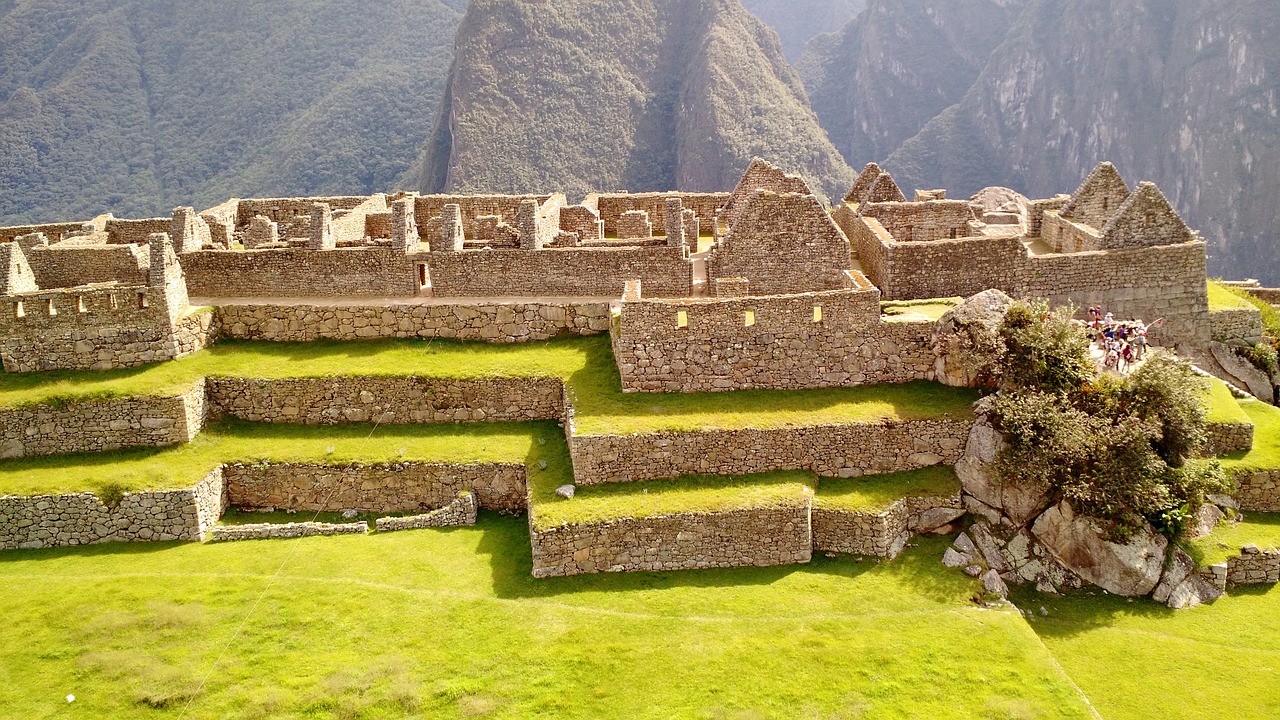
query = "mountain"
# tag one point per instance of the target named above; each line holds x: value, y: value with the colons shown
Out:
x: 582, y: 95
x: 797, y: 21
x: 1178, y: 92
x: 879, y: 79
x: 136, y: 106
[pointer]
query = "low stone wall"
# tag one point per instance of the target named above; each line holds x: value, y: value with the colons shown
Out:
x: 1254, y: 567
x: 268, y: 531
x: 460, y: 512
x: 1258, y: 490
x: 828, y: 450
x: 1244, y: 325
x: 402, y: 487
x: 387, y: 400
x: 1227, y: 438
x: 743, y: 538
x: 99, y: 425
x: 82, y: 518
x: 881, y: 533
x: 495, y: 322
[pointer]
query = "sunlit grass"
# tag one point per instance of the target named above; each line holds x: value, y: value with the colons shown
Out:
x: 877, y: 492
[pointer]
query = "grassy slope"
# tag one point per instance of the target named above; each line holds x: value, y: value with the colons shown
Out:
x: 1137, y: 659
x: 1222, y: 298
x: 183, y: 465
x: 1223, y: 407
x: 879, y: 491
x: 450, y: 624
x: 1265, y: 454
x: 1261, y: 529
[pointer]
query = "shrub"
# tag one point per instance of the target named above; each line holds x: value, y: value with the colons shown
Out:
x: 1263, y: 356
x: 1044, y: 350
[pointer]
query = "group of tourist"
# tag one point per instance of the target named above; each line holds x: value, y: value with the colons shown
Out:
x: 1122, y: 343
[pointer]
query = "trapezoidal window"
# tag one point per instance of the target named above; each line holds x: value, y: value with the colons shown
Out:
x: 18, y: 310
x: 682, y: 319
x: 749, y: 318
x: 113, y: 301
x: 1146, y: 220
x: 817, y: 313
x: 1106, y: 204
x: 80, y: 306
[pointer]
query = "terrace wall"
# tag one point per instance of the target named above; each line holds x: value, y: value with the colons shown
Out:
x: 829, y: 450
x: 1243, y: 325
x: 402, y: 487
x: 784, y: 348
x: 560, y: 272
x: 881, y: 533
x: 100, y: 425
x: 1258, y: 490
x: 300, y: 273
x: 82, y: 518
x: 387, y: 400
x: 497, y: 323
x: 742, y: 538
x: 1226, y: 438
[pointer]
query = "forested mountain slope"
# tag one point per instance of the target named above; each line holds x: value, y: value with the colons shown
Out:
x: 136, y: 106
x: 639, y: 95
x: 798, y: 21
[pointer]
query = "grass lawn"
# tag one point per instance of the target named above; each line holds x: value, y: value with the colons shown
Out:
x: 449, y: 624
x: 877, y: 492
x: 1261, y: 529
x: 694, y: 494
x: 918, y: 310
x: 1140, y: 660
x: 183, y: 465
x: 1265, y: 454
x: 1223, y: 407
x: 1223, y: 298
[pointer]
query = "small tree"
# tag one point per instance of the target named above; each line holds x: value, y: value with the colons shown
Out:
x: 1116, y: 449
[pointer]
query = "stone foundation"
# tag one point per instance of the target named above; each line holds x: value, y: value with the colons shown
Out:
x: 828, y: 450
x: 1227, y: 438
x: 1244, y: 325
x: 1254, y: 567
x: 403, y: 487
x: 688, y: 541
x: 462, y: 511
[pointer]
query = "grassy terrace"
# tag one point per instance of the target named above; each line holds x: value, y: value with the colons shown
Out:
x: 450, y: 624
x: 1265, y: 454
x: 1261, y: 529
x: 917, y: 310
x: 1223, y: 298
x: 183, y: 465
x: 1223, y: 407
x: 878, y: 492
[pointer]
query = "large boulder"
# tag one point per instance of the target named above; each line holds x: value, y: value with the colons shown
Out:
x: 1019, y: 502
x: 1241, y: 372
x: 1130, y: 569
x: 959, y: 360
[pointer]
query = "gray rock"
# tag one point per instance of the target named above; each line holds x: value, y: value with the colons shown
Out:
x: 992, y: 583
x: 976, y: 507
x: 1181, y: 566
x: 1224, y: 501
x: 990, y: 547
x: 1130, y: 570
x: 931, y: 520
x: 1206, y: 521
x: 953, y: 559
x: 953, y: 364
x: 566, y: 491
x: 973, y: 570
x: 965, y: 545
x: 349, y: 514
x: 1195, y: 590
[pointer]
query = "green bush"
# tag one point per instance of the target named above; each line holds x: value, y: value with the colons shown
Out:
x: 1263, y: 356
x: 1044, y: 350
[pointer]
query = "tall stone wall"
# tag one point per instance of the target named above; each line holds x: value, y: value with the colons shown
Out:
x: 473, y: 206
x: 1067, y: 236
x: 497, y: 322
x: 810, y: 340
x: 135, y: 232
x: 53, y: 231
x: 100, y: 425
x: 782, y: 244
x: 300, y: 273
x: 922, y: 221
x: 286, y: 210
x: 69, y: 266
x: 744, y: 538
x: 557, y: 272
x: 828, y: 450
x: 387, y: 400
x: 82, y: 519
x: 402, y: 487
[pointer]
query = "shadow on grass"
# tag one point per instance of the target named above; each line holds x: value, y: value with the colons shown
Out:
x: 1081, y: 611
x: 84, y: 551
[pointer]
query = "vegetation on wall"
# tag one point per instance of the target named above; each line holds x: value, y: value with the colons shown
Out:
x: 1116, y: 448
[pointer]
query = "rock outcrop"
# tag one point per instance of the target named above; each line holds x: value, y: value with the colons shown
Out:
x: 961, y: 338
x: 1130, y: 569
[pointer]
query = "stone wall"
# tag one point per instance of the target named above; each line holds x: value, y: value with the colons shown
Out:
x: 285, y: 531
x: 67, y: 266
x: 781, y: 244
x: 611, y: 207
x: 1254, y: 567
x: 1258, y: 490
x: 300, y: 273
x: 100, y: 425
x: 387, y: 400
x: 496, y: 322
x: 828, y: 450
x: 560, y: 272
x: 396, y: 488
x: 1243, y: 325
x: 1226, y: 438
x: 880, y: 533
x: 461, y: 511
x: 53, y: 231
x: 1067, y: 236
x: 135, y: 232
x: 82, y: 518
x: 743, y: 538
x: 810, y: 340
x: 426, y: 207
x: 922, y: 221
x: 286, y: 210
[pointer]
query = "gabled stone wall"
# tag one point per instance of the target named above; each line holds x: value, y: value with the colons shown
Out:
x: 66, y: 266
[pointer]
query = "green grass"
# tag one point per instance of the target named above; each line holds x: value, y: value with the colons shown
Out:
x: 1138, y: 660
x: 874, y: 493
x: 914, y: 310
x: 693, y: 494
x: 1261, y: 529
x: 1265, y: 454
x: 449, y: 624
x: 183, y: 465
x: 1270, y: 315
x: 1222, y: 406
x: 1222, y: 297
x: 435, y: 358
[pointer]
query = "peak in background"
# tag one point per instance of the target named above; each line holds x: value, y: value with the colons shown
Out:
x: 798, y: 21
x: 582, y: 95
